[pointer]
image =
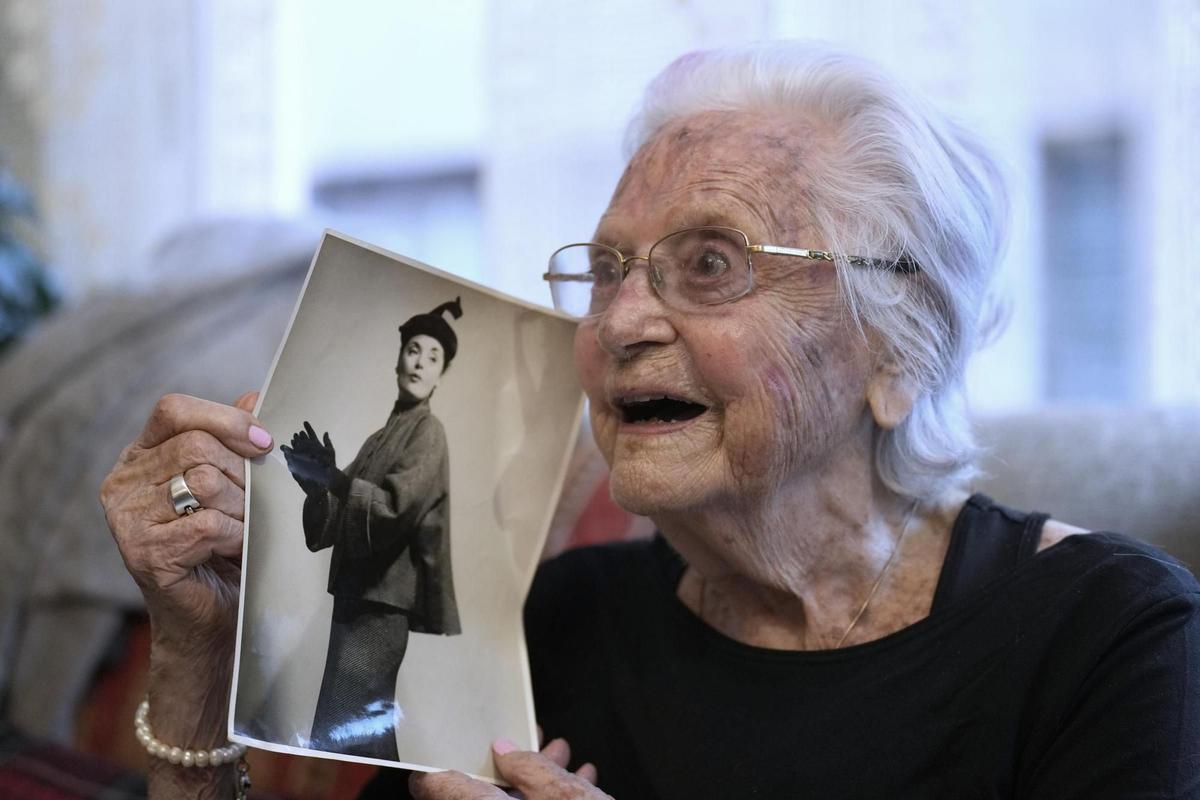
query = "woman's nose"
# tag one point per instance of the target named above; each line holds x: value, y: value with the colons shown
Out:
x: 637, y: 317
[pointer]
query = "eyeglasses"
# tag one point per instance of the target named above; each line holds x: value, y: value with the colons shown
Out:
x: 689, y: 268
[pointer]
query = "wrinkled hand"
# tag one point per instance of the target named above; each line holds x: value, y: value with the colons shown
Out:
x: 313, y: 463
x: 188, y: 567
x: 534, y: 776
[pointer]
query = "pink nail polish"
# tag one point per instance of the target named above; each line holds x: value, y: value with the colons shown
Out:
x: 503, y: 746
x: 259, y: 437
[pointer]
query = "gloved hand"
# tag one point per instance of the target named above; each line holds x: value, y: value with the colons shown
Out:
x: 313, y: 463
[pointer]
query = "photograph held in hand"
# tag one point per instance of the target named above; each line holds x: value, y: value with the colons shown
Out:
x: 382, y: 593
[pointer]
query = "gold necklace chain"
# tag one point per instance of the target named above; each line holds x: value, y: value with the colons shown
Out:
x: 912, y: 510
x: 871, y: 596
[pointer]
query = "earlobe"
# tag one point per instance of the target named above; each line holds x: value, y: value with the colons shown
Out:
x: 890, y: 395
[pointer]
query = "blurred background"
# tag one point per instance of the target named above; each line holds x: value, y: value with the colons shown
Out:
x: 166, y: 167
x: 478, y: 136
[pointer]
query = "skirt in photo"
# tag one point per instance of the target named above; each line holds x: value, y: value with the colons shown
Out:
x: 356, y: 712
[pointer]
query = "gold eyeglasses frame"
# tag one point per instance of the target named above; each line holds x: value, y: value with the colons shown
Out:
x: 904, y: 264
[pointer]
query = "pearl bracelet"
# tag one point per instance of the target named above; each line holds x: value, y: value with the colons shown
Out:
x: 176, y: 755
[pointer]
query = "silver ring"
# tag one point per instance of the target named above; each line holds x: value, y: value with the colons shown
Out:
x: 182, y: 498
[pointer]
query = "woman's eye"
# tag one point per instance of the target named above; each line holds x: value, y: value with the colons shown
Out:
x: 710, y: 264
x: 605, y: 274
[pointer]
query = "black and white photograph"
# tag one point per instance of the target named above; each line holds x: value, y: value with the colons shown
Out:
x: 392, y: 536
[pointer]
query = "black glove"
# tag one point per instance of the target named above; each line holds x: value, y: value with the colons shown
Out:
x: 313, y: 463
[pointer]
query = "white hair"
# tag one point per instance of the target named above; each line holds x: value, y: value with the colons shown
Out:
x: 894, y: 178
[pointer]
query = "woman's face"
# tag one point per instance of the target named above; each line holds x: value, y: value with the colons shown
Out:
x: 779, y: 377
x: 420, y: 367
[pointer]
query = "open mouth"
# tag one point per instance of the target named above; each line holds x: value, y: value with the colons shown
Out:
x: 658, y: 408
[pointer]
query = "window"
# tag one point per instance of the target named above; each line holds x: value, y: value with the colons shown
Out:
x: 1088, y: 309
x: 433, y: 217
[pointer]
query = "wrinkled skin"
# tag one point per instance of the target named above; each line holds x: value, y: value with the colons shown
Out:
x: 794, y: 390
x: 188, y: 568
x: 782, y: 360
x: 534, y: 776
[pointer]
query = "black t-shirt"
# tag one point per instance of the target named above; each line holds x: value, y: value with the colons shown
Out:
x: 1072, y: 673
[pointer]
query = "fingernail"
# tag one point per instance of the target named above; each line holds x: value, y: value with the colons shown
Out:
x: 259, y: 437
x: 503, y: 746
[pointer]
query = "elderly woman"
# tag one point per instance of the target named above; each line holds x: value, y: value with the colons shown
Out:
x: 776, y: 314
